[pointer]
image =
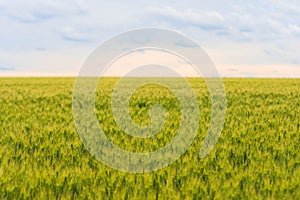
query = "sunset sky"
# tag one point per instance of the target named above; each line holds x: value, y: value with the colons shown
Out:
x: 243, y: 38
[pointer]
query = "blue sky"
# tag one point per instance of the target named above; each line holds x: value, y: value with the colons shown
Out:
x: 243, y: 38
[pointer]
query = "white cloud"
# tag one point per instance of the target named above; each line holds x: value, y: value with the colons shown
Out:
x: 294, y: 28
x: 204, y: 19
x: 37, y: 11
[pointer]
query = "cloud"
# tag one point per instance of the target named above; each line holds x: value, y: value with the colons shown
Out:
x: 246, y: 30
x: 2, y: 68
x: 223, y: 33
x: 207, y: 20
x: 290, y: 7
x: 269, y: 52
x: 74, y: 39
x: 36, y: 11
x: 185, y: 44
x: 70, y: 34
x: 294, y: 28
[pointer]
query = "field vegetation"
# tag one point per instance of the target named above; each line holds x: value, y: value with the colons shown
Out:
x: 256, y: 157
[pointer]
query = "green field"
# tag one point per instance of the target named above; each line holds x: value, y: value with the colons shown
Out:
x: 256, y: 157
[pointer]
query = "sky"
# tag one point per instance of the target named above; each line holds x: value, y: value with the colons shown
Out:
x: 243, y: 38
